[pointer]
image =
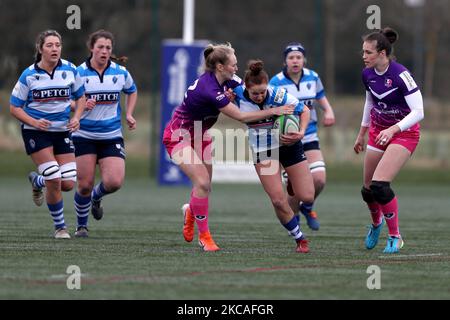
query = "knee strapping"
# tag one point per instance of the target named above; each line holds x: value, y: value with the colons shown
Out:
x: 49, y: 170
x: 367, y: 195
x: 69, y: 171
x: 382, y: 192
x: 317, y: 166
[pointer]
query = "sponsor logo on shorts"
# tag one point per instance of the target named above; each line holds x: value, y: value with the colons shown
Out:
x: 32, y: 143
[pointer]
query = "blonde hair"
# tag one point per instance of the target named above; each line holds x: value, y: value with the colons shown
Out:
x: 215, y: 54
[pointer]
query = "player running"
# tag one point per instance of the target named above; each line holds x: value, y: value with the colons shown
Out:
x: 269, y: 154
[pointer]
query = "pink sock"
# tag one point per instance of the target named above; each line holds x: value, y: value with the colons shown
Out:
x: 199, y: 208
x: 375, y: 212
x: 390, y: 212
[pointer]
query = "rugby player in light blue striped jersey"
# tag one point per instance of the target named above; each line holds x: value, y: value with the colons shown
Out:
x: 100, y: 140
x: 41, y: 101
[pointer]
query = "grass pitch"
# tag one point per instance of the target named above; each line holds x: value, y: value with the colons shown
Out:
x: 137, y: 250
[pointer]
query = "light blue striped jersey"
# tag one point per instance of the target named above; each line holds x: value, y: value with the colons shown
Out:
x: 104, y: 121
x: 261, y: 137
x: 310, y: 88
x: 47, y: 96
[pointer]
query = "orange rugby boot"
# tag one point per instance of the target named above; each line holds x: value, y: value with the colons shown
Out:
x: 302, y: 246
x: 189, y: 223
x: 206, y: 242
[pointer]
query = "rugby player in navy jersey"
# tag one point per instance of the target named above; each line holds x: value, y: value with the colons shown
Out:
x: 188, y: 143
x: 41, y: 101
x: 392, y: 112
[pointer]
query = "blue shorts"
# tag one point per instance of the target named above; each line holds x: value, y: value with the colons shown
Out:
x: 287, y: 155
x: 313, y: 145
x: 36, y: 140
x: 101, y: 148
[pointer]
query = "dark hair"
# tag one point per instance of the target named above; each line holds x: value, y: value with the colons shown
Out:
x: 40, y: 40
x: 215, y: 54
x: 93, y: 37
x: 294, y: 46
x: 255, y: 74
x: 384, y: 38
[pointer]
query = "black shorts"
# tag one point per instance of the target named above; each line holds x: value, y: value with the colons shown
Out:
x: 287, y: 155
x: 101, y: 148
x: 36, y: 140
x: 313, y: 145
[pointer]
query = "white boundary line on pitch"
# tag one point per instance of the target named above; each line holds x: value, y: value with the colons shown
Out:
x: 412, y: 255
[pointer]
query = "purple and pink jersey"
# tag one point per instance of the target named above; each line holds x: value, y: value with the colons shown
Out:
x: 388, y: 91
x: 202, y: 103
x: 203, y: 100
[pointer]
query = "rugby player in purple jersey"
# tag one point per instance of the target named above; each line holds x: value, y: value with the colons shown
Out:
x: 392, y: 112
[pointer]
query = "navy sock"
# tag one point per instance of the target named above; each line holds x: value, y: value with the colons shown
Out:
x: 57, y: 213
x: 82, y: 206
x: 294, y: 229
x: 306, y: 208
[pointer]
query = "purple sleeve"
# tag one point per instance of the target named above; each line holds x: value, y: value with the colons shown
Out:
x: 219, y: 99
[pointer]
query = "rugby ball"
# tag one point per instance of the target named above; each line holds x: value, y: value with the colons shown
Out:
x: 287, y: 123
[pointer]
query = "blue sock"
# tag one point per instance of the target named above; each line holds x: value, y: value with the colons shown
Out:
x: 99, y: 191
x: 82, y: 206
x: 294, y: 229
x: 57, y: 213
x: 306, y: 208
x: 39, y: 182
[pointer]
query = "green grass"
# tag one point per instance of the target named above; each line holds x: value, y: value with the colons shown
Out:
x: 137, y: 250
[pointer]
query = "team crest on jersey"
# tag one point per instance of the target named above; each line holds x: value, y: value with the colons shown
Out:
x: 64, y: 75
x: 388, y: 83
x: 87, y: 80
x: 32, y: 143
x: 308, y: 86
x: 115, y: 79
x: 36, y: 77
